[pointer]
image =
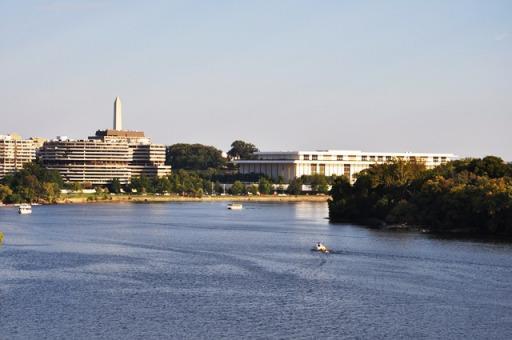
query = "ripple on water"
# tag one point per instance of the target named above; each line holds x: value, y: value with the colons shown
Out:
x: 194, y: 271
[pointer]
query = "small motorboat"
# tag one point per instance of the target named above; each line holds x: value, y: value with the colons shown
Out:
x: 321, y: 248
x: 25, y: 209
x: 235, y: 206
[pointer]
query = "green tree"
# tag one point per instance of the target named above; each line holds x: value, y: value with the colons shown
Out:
x: 474, y: 194
x: 295, y: 187
x: 162, y: 185
x: 238, y: 188
x: 51, y: 191
x: 242, y: 150
x: 194, y: 157
x: 27, y: 184
x: 253, y: 189
x: 5, y: 192
x: 319, y: 184
x: 114, y: 186
x: 265, y: 186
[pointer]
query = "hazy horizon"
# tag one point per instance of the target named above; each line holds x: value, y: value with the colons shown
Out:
x: 285, y: 75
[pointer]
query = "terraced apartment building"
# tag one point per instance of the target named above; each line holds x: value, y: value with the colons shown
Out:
x: 292, y: 164
x: 15, y: 152
x: 93, y: 161
x: 111, y: 153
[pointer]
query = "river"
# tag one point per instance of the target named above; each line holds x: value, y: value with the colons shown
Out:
x: 200, y: 271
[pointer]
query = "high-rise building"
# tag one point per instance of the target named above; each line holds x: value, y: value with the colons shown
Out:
x: 109, y: 154
x: 15, y: 152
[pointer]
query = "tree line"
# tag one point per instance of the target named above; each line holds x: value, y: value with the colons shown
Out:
x: 33, y: 183
x: 201, y: 157
x: 471, y: 195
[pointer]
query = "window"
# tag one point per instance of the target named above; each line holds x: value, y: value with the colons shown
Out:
x: 372, y: 158
x: 363, y: 158
x: 380, y: 158
x: 313, y: 169
x: 306, y: 157
x: 436, y: 159
x: 346, y: 170
x: 314, y: 157
x: 339, y: 157
x: 322, y: 169
x: 388, y: 158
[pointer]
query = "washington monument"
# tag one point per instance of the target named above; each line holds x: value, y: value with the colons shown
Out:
x: 118, y: 118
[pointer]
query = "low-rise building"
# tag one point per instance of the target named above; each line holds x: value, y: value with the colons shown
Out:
x: 292, y: 164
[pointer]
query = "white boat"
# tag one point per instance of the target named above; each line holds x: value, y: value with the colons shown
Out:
x: 25, y: 209
x: 235, y: 206
x: 320, y: 247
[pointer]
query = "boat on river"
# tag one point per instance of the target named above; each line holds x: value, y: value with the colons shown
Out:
x: 235, y: 206
x: 321, y: 248
x: 25, y: 209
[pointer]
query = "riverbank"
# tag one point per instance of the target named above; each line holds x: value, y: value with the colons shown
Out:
x: 84, y: 198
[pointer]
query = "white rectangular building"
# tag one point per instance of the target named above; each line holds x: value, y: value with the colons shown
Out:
x: 292, y: 164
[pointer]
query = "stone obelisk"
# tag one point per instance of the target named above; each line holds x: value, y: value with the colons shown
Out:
x: 118, y: 118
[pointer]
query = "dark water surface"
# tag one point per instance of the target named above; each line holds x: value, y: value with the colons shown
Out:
x: 198, y: 270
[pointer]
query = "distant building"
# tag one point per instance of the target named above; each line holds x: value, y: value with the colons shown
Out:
x: 109, y: 154
x: 93, y: 161
x: 293, y: 164
x: 15, y: 152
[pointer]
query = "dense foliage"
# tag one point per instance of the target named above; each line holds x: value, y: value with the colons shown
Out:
x: 33, y: 183
x: 194, y: 157
x: 471, y: 195
x: 179, y: 182
x: 242, y: 150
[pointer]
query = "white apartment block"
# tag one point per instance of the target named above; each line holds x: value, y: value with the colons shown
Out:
x: 15, y: 152
x: 293, y: 164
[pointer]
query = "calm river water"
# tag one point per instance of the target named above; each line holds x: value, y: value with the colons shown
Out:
x: 198, y: 270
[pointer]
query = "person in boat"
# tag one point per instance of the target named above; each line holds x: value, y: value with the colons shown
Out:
x: 321, y: 247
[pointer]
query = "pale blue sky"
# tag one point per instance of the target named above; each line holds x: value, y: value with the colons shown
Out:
x: 426, y: 76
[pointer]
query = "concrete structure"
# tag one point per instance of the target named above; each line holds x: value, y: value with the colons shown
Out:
x: 109, y: 154
x: 293, y: 164
x: 92, y: 161
x: 118, y: 117
x: 148, y: 160
x: 15, y: 152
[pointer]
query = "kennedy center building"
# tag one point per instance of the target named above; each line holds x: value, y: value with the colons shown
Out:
x: 111, y: 153
x: 293, y: 164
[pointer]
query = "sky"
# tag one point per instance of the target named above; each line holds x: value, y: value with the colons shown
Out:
x: 396, y: 76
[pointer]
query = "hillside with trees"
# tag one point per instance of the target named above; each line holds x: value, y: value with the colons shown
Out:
x: 469, y: 195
